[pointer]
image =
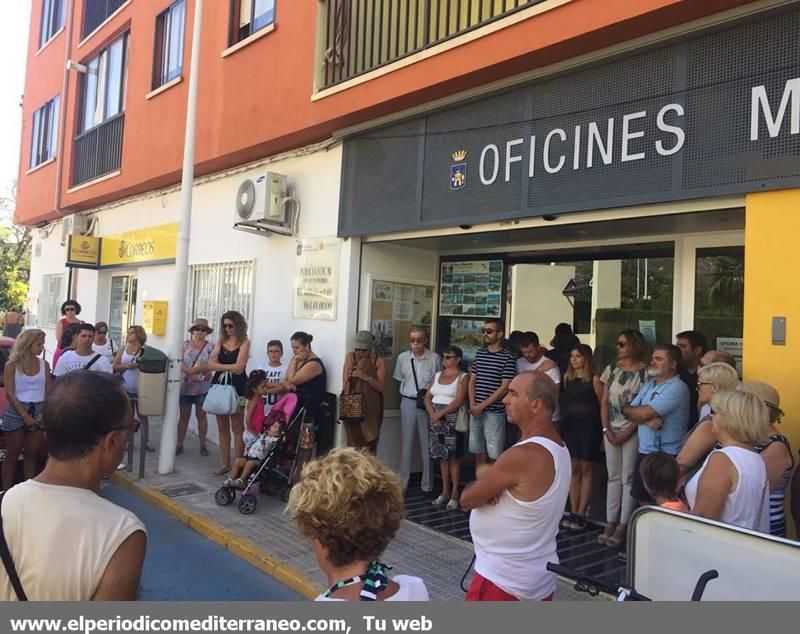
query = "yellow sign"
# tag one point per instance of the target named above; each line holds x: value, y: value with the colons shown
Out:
x: 153, y: 245
x: 155, y: 318
x: 83, y: 251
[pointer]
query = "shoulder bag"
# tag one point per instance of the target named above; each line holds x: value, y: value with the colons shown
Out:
x: 222, y: 398
x: 420, y: 393
x: 462, y: 421
x: 351, y: 406
x: 8, y: 561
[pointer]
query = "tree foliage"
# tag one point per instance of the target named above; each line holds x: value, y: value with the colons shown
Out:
x: 15, y: 255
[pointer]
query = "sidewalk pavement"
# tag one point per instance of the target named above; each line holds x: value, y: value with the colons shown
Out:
x: 269, y: 539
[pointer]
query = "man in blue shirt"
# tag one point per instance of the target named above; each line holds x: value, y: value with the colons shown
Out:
x: 661, y: 409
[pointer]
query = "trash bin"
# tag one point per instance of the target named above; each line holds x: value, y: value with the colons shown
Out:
x: 152, y: 364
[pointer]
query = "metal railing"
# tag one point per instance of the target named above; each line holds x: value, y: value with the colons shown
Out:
x: 361, y: 35
x: 98, y: 151
x: 96, y: 12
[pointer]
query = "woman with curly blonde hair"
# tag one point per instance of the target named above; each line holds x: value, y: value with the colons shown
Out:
x: 27, y: 379
x: 350, y: 505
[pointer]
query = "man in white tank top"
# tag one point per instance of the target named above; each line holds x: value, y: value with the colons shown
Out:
x: 66, y: 543
x: 518, y: 501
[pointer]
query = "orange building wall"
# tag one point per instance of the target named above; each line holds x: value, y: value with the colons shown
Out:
x: 257, y: 102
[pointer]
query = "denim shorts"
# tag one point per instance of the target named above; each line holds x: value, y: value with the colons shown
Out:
x: 11, y: 420
x: 487, y: 434
x: 193, y: 399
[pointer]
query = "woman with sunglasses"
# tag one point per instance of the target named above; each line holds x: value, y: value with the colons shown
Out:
x: 621, y: 381
x: 229, y: 358
x: 196, y: 381
x: 103, y: 344
x: 27, y: 379
x: 70, y: 310
x: 365, y: 373
x: 445, y: 396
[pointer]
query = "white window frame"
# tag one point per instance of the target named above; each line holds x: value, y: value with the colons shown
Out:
x: 51, y: 296
x: 53, y: 13
x: 210, y: 292
x: 95, y: 111
x: 173, y: 17
x: 43, y: 132
x: 246, y: 15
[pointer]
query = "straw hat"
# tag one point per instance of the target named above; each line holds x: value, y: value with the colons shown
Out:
x: 364, y: 339
x: 203, y: 323
x: 766, y: 393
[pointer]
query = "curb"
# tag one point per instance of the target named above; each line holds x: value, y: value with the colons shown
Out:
x: 236, y: 544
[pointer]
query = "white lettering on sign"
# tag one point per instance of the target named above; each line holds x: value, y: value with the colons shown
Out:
x: 512, y: 158
x: 760, y: 103
x: 627, y: 136
x: 680, y: 135
x: 607, y: 150
x: 549, y: 168
x: 493, y: 149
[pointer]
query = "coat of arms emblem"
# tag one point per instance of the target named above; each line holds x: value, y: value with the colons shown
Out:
x: 458, y: 171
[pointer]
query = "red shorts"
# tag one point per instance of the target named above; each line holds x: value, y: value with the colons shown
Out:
x: 481, y: 589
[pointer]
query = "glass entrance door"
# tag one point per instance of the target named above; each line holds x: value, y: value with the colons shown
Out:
x: 123, y: 306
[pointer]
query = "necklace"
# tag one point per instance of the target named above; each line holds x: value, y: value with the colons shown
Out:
x: 374, y: 581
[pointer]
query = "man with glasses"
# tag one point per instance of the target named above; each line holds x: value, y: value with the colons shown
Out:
x: 492, y: 371
x: 66, y: 542
x: 661, y: 410
x: 414, y: 371
x: 83, y: 357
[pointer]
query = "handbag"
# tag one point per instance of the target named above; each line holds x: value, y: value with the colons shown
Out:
x: 222, y: 398
x: 462, y: 420
x: 420, y: 393
x: 351, y: 405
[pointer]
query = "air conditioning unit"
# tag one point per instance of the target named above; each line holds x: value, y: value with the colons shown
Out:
x: 264, y: 202
x: 74, y: 225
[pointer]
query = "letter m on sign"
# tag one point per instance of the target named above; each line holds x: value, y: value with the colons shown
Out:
x: 760, y: 104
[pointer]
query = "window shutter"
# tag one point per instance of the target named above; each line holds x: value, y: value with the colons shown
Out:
x: 245, y: 12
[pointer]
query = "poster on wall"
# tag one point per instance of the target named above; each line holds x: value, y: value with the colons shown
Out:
x: 471, y: 289
x: 467, y: 334
x: 316, y: 280
x: 733, y: 346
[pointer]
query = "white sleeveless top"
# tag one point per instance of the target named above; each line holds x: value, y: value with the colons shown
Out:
x: 30, y: 389
x: 61, y: 539
x: 444, y: 393
x: 130, y: 378
x: 514, y: 540
x: 750, y: 498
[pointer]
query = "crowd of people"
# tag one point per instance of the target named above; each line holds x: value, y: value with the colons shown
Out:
x: 675, y: 426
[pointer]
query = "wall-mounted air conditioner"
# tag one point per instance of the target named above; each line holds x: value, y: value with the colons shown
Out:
x: 264, y: 204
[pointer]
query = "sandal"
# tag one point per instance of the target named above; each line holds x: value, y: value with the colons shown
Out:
x: 616, y: 539
x: 222, y: 470
x: 603, y: 537
x: 203, y: 451
x: 440, y: 500
x: 452, y: 505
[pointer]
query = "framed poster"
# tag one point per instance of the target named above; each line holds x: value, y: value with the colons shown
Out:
x: 471, y: 289
x: 316, y: 279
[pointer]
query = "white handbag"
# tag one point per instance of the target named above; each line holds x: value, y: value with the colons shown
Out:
x: 222, y: 398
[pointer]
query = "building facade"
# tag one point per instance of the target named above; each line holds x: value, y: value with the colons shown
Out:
x: 601, y: 163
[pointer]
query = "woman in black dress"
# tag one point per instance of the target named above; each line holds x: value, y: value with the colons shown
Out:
x: 229, y: 359
x: 581, y: 428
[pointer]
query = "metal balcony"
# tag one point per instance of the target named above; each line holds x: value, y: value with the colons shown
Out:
x: 361, y: 35
x: 98, y: 151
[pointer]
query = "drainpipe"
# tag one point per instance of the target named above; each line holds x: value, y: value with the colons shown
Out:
x: 169, y: 429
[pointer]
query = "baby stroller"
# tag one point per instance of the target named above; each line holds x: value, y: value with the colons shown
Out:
x: 278, y: 466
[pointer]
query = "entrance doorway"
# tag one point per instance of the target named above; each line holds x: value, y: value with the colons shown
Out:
x: 122, y: 311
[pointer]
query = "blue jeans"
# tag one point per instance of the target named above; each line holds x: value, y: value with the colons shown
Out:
x: 487, y: 434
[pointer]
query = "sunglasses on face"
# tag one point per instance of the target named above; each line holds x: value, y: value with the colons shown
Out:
x: 102, y: 332
x: 701, y: 383
x: 449, y: 356
x: 488, y: 331
x: 360, y: 349
x: 199, y: 329
x: 69, y: 310
x: 228, y: 326
x: 412, y: 340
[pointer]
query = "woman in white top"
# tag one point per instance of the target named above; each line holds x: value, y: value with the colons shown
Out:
x: 125, y: 364
x: 445, y: 396
x: 350, y: 505
x: 103, y: 344
x: 27, y: 379
x: 732, y: 486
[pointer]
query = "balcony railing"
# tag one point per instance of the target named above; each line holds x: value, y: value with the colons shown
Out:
x: 361, y: 35
x: 96, y: 12
x: 98, y: 151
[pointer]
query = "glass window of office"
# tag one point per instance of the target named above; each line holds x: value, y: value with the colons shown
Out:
x: 168, y: 60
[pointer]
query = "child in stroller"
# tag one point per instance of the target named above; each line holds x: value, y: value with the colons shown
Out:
x: 270, y: 457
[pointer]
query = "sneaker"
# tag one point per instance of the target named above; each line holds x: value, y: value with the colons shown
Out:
x: 440, y: 501
x: 238, y: 483
x: 122, y: 466
x: 227, y: 482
